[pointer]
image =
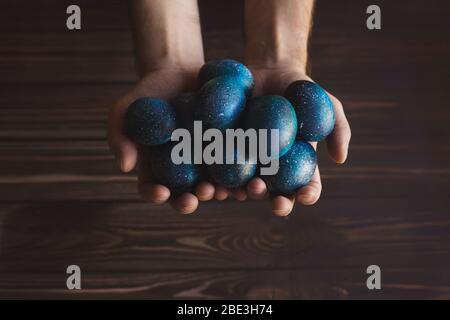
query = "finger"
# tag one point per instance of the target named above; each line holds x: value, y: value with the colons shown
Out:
x: 309, y: 194
x: 186, y: 203
x: 282, y: 206
x: 149, y: 191
x: 124, y: 150
x: 220, y: 193
x: 204, y: 191
x: 338, y: 141
x: 154, y: 193
x: 239, y: 194
x: 256, y: 189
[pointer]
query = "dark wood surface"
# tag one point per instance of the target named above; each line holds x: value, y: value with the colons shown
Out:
x: 63, y: 201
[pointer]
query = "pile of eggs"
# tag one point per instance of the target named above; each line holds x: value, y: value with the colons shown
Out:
x: 224, y: 101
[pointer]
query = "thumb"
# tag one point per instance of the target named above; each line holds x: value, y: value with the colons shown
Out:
x: 123, y: 148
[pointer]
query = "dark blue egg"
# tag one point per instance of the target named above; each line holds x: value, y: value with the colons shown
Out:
x: 150, y: 121
x: 226, y: 67
x: 232, y: 175
x: 273, y: 112
x: 296, y: 169
x: 178, y: 178
x: 221, y: 102
x: 185, y: 105
x: 315, y: 112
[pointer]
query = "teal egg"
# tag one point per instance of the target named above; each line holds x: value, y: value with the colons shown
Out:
x: 227, y: 67
x: 150, y: 121
x: 232, y: 175
x: 179, y: 178
x: 273, y: 112
x: 185, y: 104
x: 314, y: 108
x: 296, y: 169
x: 221, y: 102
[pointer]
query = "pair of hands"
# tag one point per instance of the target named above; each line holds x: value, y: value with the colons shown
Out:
x: 167, y: 84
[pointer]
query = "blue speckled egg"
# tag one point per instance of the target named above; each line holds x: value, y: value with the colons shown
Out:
x: 226, y: 67
x: 178, y: 178
x: 273, y: 112
x: 232, y: 175
x: 221, y: 102
x: 296, y: 169
x: 150, y: 121
x: 185, y: 105
x: 315, y: 112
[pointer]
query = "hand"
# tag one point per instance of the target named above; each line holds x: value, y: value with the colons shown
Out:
x: 275, y: 80
x: 165, y: 84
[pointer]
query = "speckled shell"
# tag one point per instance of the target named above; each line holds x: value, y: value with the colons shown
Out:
x: 226, y: 67
x: 221, y: 102
x: 315, y: 112
x: 178, y: 178
x: 150, y: 121
x: 232, y: 175
x: 185, y: 105
x: 273, y: 112
x: 296, y: 169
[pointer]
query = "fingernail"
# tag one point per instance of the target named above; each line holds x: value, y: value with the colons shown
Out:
x: 307, y: 197
x: 281, y: 212
x: 344, y: 158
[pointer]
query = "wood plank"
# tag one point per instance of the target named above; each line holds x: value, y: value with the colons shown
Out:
x: 347, y: 182
x: 393, y: 160
x: 133, y: 237
x: 100, y: 14
x: 408, y: 283
x: 62, y: 200
x: 60, y: 50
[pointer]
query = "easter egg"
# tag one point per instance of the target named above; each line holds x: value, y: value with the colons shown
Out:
x: 226, y: 67
x: 185, y: 105
x: 150, y: 121
x: 315, y: 112
x: 296, y: 169
x: 178, y: 178
x: 232, y: 175
x: 221, y: 102
x: 273, y: 112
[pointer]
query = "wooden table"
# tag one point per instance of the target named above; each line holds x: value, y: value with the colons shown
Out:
x: 63, y: 201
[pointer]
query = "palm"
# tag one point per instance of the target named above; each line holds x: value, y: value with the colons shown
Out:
x: 275, y: 81
x: 165, y: 84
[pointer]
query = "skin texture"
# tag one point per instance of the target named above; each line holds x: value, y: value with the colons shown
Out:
x: 277, y: 33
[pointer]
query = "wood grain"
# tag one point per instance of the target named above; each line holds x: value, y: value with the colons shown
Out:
x: 245, y: 284
x: 63, y: 201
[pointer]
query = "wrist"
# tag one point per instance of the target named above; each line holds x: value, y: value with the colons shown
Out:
x: 277, y: 32
x: 276, y: 57
x: 167, y: 34
x: 169, y: 62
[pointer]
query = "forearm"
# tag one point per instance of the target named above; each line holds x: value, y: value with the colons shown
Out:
x: 167, y: 34
x: 277, y: 32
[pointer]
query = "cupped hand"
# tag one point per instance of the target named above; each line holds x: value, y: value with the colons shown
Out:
x: 275, y: 81
x: 165, y: 84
